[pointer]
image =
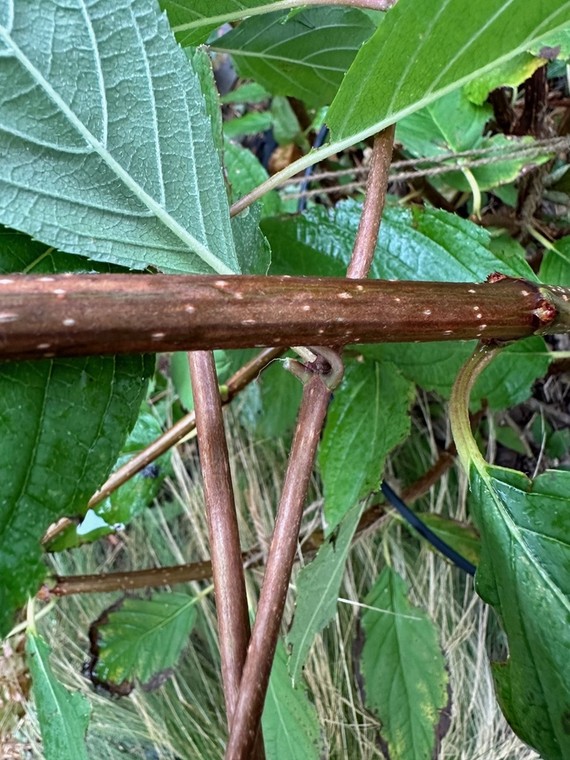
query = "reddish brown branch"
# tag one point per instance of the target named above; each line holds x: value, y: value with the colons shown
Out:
x: 229, y: 582
x: 101, y: 314
x: 376, y: 187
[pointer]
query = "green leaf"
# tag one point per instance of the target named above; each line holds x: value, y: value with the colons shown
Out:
x: 107, y: 145
x: 368, y: 416
x: 510, y: 73
x: 414, y: 244
x: 128, y: 501
x: 403, y: 670
x: 252, y: 247
x: 290, y: 722
x: 180, y: 373
x: 434, y: 366
x: 304, y: 54
x: 250, y: 124
x: 461, y: 537
x: 270, y: 405
x: 422, y: 51
x: 555, y: 266
x: 190, y: 19
x: 141, y: 639
x: 63, y: 424
x: 317, y: 590
x: 63, y: 716
x: 244, y: 173
x: 524, y: 573
x: 431, y: 132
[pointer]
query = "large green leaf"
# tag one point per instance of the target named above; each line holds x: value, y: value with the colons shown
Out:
x: 63, y: 716
x: 303, y: 54
x: 107, y: 147
x: 141, y: 639
x: 414, y: 244
x: 62, y: 425
x: 524, y: 573
x: 423, y: 50
x: 368, y: 416
x: 290, y: 722
x: 403, y: 670
x: 317, y: 590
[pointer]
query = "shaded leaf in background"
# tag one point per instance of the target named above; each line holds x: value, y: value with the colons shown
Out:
x: 290, y: 722
x: 63, y: 716
x: 403, y: 670
x: 252, y: 247
x: 367, y: 417
x: 107, y: 147
x: 414, y: 244
x: 304, y: 54
x: 431, y: 132
x: 189, y: 18
x: 140, y: 639
x: 317, y: 590
x: 422, y: 51
x: 128, y: 501
x: 63, y: 424
x: 460, y: 536
x: 434, y: 366
x: 270, y: 405
x: 524, y: 573
x: 555, y: 266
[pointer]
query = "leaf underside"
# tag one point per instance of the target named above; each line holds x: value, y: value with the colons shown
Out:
x: 107, y: 147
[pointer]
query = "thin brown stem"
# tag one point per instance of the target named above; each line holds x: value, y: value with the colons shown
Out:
x: 229, y: 582
x: 280, y: 560
x: 376, y: 187
x: 102, y: 314
x: 199, y: 571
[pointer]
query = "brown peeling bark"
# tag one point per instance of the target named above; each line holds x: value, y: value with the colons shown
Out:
x: 77, y: 315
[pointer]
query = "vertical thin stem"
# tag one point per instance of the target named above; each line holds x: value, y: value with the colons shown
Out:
x: 376, y: 186
x: 312, y: 415
x: 229, y: 583
x: 261, y: 650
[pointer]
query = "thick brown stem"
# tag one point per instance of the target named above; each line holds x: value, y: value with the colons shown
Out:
x: 279, y: 564
x: 42, y: 317
x: 229, y: 582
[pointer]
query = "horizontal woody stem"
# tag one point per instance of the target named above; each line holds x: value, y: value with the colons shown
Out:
x: 76, y: 315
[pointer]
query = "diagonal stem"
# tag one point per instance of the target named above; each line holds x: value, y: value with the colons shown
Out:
x: 280, y: 559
